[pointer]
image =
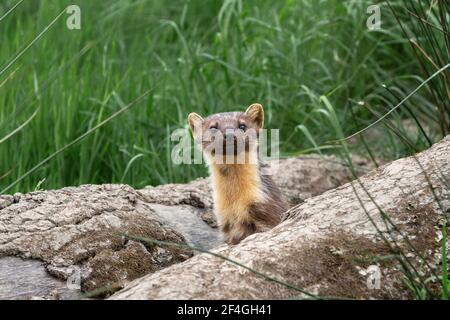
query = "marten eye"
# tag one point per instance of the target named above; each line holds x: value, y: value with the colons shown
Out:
x: 214, y: 127
x: 243, y: 127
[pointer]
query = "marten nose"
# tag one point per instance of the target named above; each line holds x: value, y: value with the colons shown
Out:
x: 229, y: 135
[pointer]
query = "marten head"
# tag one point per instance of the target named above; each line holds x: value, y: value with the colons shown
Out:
x: 228, y: 137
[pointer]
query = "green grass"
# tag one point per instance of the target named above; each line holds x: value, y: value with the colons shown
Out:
x: 195, y: 56
x: 68, y: 114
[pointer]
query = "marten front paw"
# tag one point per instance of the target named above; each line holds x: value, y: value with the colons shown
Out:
x: 236, y: 232
x: 235, y: 240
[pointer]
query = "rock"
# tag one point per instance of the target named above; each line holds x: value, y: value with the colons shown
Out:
x: 345, y: 242
x: 34, y: 281
x: 189, y: 222
x: 298, y: 178
x: 78, y: 233
x: 85, y: 228
x: 313, y: 175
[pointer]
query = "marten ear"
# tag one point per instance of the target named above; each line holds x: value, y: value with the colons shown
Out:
x: 256, y: 113
x: 195, y: 121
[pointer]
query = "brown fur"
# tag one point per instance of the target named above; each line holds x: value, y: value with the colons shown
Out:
x: 245, y: 200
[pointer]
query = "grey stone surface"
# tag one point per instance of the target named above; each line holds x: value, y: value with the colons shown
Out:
x: 83, y: 228
x: 327, y: 244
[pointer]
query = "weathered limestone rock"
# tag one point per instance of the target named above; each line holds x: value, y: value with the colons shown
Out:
x: 84, y: 228
x: 80, y: 231
x: 327, y: 244
x: 25, y: 279
x: 298, y: 178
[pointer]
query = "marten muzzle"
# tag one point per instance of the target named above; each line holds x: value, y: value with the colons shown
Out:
x: 229, y: 142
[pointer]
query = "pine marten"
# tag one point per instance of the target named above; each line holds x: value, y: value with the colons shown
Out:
x: 245, y: 200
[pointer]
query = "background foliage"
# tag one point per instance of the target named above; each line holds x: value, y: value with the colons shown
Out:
x: 314, y: 65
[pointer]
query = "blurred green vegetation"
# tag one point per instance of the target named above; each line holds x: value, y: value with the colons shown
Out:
x: 297, y: 58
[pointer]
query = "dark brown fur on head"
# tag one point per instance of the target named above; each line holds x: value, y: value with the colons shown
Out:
x: 232, y: 129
